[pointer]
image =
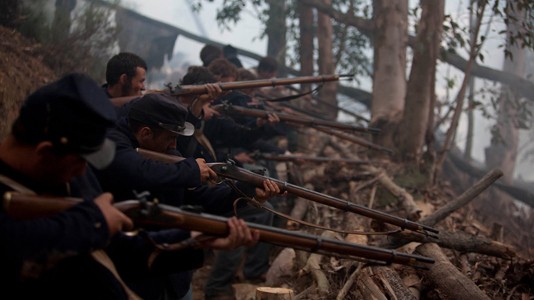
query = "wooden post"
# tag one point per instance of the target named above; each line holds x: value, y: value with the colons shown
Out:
x: 273, y: 293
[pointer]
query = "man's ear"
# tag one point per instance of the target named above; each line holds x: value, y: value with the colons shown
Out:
x: 44, y: 148
x: 123, y: 79
x: 144, y: 132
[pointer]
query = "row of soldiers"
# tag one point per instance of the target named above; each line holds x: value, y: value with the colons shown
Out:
x: 72, y: 139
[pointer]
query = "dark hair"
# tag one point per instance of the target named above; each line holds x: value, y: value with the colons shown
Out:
x: 223, y: 68
x: 209, y: 53
x: 244, y: 74
x: 267, y: 64
x: 198, y: 75
x: 230, y: 53
x: 135, y: 126
x: 123, y: 63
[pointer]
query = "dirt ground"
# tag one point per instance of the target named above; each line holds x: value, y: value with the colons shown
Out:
x: 22, y: 72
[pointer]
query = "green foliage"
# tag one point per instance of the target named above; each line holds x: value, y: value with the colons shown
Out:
x: 349, y: 44
x: 456, y: 35
x: 230, y: 11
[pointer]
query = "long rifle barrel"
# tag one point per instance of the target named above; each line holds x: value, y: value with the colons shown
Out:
x: 231, y: 171
x: 184, y: 90
x: 309, y: 121
x: 150, y: 214
x: 308, y: 158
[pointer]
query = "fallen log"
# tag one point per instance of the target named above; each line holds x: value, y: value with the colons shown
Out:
x: 381, y: 282
x: 459, y: 241
x: 271, y: 293
x: 449, y: 282
x: 463, y: 199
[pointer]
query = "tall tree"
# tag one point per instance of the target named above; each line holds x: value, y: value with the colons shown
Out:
x: 420, y: 91
x: 502, y: 152
x: 306, y: 36
x: 276, y: 32
x: 390, y: 18
x: 327, y: 65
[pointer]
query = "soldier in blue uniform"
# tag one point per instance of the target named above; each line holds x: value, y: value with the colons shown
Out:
x: 153, y: 122
x: 59, y: 128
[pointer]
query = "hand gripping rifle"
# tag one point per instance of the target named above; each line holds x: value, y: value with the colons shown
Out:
x: 230, y: 171
x: 155, y: 215
x: 290, y: 118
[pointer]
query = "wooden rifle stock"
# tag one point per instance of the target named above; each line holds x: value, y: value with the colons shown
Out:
x: 285, y: 117
x: 145, y: 213
x: 231, y: 171
x: 184, y: 90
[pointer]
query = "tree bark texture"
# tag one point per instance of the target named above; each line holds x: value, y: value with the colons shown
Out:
x: 276, y: 33
x: 327, y: 65
x: 450, y: 283
x: 389, y: 69
x: 414, y: 123
x: 502, y: 153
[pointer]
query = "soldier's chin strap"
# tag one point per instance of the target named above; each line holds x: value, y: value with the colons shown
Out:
x: 256, y: 203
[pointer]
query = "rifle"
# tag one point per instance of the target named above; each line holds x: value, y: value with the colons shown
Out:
x: 354, y: 139
x: 150, y: 214
x: 231, y: 171
x: 184, y: 90
x: 342, y: 135
x: 309, y: 158
x: 323, y: 102
x: 290, y: 118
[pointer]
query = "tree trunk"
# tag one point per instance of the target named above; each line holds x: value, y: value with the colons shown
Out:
x: 62, y: 21
x: 418, y: 96
x: 389, y: 83
x: 9, y: 13
x: 327, y: 64
x: 502, y: 152
x: 305, y: 13
x: 276, y: 33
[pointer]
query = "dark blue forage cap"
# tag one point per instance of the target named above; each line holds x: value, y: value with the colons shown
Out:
x: 162, y: 111
x: 73, y: 113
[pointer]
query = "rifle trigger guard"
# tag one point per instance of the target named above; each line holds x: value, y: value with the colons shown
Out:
x: 318, y: 245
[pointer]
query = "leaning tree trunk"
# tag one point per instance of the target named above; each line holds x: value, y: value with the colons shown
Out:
x: 414, y: 123
x: 389, y: 82
x: 327, y: 64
